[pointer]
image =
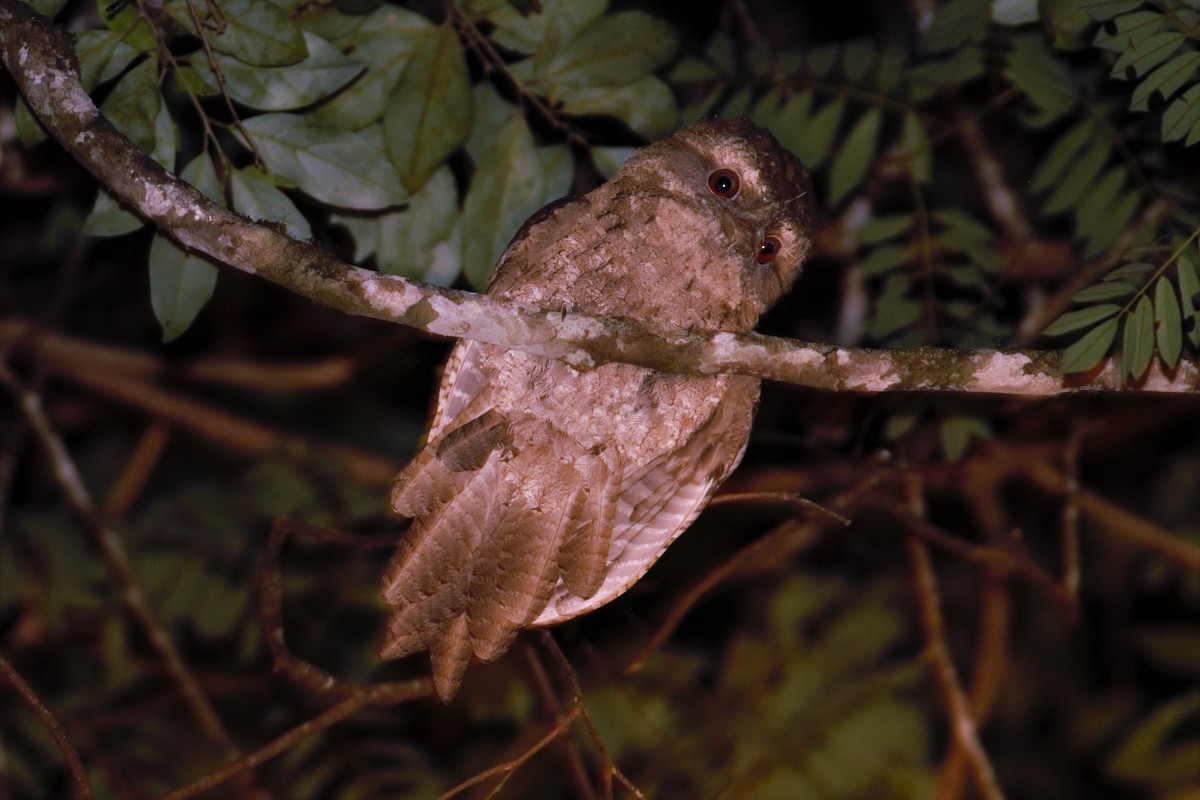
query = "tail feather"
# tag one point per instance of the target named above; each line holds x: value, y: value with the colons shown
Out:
x: 450, y: 654
x: 426, y: 581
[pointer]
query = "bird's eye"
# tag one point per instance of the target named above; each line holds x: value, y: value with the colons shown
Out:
x: 768, y: 248
x: 724, y: 183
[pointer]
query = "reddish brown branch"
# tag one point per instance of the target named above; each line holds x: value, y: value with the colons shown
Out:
x: 78, y: 498
x: 379, y: 696
x: 79, y: 776
x: 125, y: 375
x: 963, y: 729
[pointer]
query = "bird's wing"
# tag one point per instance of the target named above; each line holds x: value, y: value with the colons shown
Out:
x: 660, y: 499
x: 503, y: 512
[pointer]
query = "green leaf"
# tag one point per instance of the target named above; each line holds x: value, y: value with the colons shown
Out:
x: 1119, y: 215
x: 1092, y: 215
x: 895, y: 310
x: 558, y: 21
x: 931, y: 77
x: 858, y: 59
x: 1166, y: 80
x: 103, y: 55
x: 790, y: 124
x: 110, y: 218
x: 1173, y: 649
x: 508, y: 186
x: 323, y: 72
x: 492, y: 114
x: 821, y: 59
x: 914, y: 145
x: 1180, y: 118
x: 1015, y: 12
x: 429, y: 112
x: 1120, y: 34
x: 957, y: 433
x: 255, y: 196
x: 1168, y: 322
x: 1080, y: 318
x: 333, y: 165
x: 1061, y: 156
x: 956, y: 22
x: 132, y: 106
x: 963, y: 232
x: 136, y: 109
x: 893, y: 62
x: 48, y: 8
x: 1078, y: 179
x: 1144, y: 54
x: 1045, y: 79
x: 883, y: 259
x: 1163, y: 750
x: 257, y: 32
x: 851, y: 163
x: 883, y: 227
x: 814, y: 147
x: 609, y: 159
x: 1091, y: 348
x: 29, y: 127
x: 1138, y: 343
x: 1102, y: 10
x: 1105, y: 290
x: 1134, y: 270
x: 1189, y: 288
x: 166, y: 138
x: 180, y: 285
x: 614, y: 50
x: 646, y: 105
x: 422, y: 241
x: 385, y: 47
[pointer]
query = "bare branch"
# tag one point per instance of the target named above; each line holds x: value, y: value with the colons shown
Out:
x: 42, y: 60
x: 79, y: 776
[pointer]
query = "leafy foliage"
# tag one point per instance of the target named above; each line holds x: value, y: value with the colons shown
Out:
x: 990, y: 172
x: 356, y: 114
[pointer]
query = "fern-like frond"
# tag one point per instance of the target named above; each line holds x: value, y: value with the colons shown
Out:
x: 1139, y: 300
x: 1157, y: 47
x: 1081, y: 174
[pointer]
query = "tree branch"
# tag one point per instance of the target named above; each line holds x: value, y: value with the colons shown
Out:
x: 42, y: 60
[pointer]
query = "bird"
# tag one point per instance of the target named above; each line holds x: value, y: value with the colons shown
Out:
x: 542, y: 492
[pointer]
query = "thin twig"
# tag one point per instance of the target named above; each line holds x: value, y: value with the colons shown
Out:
x: 800, y: 537
x: 1071, y: 569
x: 379, y: 696
x: 567, y: 745
x: 611, y: 770
x: 138, y: 469
x: 29, y: 339
x: 937, y: 653
x: 1003, y: 561
x: 270, y: 605
x: 506, y: 769
x: 494, y: 63
x: 233, y: 432
x: 1109, y: 516
x: 113, y: 551
x: 79, y: 776
x: 991, y: 660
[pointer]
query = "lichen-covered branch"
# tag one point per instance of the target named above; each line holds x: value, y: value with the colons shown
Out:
x: 42, y: 61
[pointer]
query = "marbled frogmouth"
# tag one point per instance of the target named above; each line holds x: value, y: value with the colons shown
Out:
x: 543, y: 492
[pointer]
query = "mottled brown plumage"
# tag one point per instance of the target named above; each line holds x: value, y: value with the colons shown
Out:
x: 542, y: 492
